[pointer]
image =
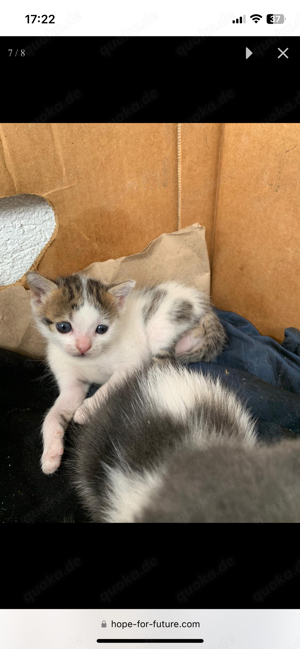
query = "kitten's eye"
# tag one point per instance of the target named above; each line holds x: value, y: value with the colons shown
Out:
x: 63, y: 327
x: 101, y: 329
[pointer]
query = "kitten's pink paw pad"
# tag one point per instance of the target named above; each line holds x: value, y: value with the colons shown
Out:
x: 188, y: 344
x: 51, y: 457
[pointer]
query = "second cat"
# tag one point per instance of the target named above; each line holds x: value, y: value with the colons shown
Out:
x: 170, y: 445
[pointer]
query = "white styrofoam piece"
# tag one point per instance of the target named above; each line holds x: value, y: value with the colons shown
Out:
x: 27, y: 223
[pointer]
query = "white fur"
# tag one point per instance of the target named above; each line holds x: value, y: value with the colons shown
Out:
x: 177, y: 392
x: 129, y: 493
x: 173, y: 393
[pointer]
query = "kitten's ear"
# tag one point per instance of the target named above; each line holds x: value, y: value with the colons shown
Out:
x: 120, y: 291
x: 40, y: 286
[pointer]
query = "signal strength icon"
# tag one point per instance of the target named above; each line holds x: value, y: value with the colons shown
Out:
x: 256, y: 17
x: 241, y: 19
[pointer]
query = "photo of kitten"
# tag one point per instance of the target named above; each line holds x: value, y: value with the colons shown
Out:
x: 97, y: 334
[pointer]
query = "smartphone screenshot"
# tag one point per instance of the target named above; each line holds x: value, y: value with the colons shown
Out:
x: 149, y: 325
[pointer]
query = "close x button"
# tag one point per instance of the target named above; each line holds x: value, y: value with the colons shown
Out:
x: 283, y: 53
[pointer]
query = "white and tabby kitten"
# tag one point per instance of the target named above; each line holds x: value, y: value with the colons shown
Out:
x: 170, y: 445
x: 96, y: 333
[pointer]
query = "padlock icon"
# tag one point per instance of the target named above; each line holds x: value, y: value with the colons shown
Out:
x: 103, y: 623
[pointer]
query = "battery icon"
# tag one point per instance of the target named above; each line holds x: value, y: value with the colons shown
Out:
x: 275, y: 19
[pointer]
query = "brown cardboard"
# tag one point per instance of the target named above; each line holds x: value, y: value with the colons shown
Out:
x: 181, y: 256
x: 115, y: 187
x: 201, y: 146
x: 256, y: 261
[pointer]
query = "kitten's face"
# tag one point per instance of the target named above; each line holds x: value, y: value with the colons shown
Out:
x: 78, y: 314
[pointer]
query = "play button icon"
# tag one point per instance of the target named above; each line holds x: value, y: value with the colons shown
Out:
x: 248, y: 53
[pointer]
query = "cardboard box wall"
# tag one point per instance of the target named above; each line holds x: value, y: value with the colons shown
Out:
x: 116, y: 187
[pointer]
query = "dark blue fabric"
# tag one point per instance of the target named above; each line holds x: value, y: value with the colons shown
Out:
x: 292, y: 340
x: 264, y: 373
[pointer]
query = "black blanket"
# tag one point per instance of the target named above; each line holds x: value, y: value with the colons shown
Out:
x: 265, y: 374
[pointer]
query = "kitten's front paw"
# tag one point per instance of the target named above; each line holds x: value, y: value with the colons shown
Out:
x: 89, y: 406
x: 51, y: 457
x: 82, y: 413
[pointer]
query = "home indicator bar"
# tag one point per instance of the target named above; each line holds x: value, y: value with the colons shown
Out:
x: 148, y: 641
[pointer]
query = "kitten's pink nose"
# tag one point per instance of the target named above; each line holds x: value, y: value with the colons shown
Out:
x: 83, y: 344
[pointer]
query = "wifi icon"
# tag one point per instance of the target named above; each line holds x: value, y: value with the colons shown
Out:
x: 256, y: 17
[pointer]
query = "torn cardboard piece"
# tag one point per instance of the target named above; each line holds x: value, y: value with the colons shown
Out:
x: 180, y: 256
